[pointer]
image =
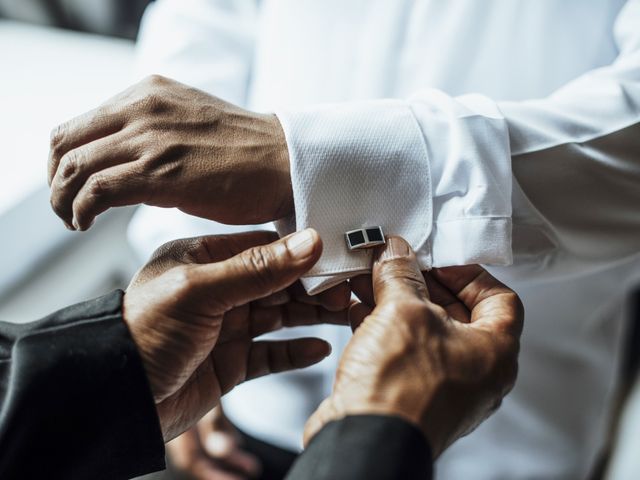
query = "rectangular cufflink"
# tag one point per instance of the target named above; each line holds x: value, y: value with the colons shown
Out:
x: 368, y: 237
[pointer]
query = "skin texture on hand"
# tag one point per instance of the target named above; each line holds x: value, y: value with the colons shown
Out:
x: 166, y: 144
x: 195, y: 309
x: 438, y: 350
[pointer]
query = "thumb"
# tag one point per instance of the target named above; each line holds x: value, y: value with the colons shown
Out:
x: 260, y: 270
x: 396, y: 274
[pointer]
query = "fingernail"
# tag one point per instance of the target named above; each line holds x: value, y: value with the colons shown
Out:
x: 301, y: 244
x: 75, y: 224
x: 396, y: 247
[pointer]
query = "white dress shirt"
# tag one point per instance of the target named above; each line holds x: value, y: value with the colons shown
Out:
x: 501, y: 132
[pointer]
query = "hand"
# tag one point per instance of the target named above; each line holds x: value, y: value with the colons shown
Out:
x: 165, y: 144
x: 212, y: 450
x: 443, y: 363
x: 196, y: 308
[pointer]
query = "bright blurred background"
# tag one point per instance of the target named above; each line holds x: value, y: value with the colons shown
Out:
x: 59, y: 58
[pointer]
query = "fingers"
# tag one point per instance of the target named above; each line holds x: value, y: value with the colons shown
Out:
x: 86, y: 128
x: 216, y: 248
x: 199, y: 250
x: 396, y: 273
x: 78, y: 164
x: 210, y: 248
x: 293, y: 314
x: 257, y: 272
x: 259, y: 320
x: 357, y: 313
x: 241, y: 360
x: 470, y: 283
x: 440, y: 295
x: 489, y: 300
x: 267, y: 357
x: 114, y: 187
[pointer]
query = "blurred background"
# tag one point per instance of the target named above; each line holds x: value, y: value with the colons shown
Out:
x: 59, y: 58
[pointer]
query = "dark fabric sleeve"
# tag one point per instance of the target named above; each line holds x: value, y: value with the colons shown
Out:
x: 367, y: 447
x: 74, y: 398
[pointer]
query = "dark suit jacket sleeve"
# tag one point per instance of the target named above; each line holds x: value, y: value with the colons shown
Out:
x: 74, y: 398
x: 367, y: 447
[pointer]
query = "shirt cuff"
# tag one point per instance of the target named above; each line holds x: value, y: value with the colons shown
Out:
x: 434, y: 170
x: 352, y: 166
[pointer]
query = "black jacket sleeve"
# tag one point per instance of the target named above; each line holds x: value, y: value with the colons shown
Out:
x: 367, y: 447
x: 74, y: 398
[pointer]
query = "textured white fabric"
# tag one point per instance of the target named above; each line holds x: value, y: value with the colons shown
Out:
x: 323, y: 144
x: 341, y: 157
x: 555, y: 97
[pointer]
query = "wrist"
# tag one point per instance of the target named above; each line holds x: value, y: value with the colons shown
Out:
x: 337, y: 407
x: 280, y: 166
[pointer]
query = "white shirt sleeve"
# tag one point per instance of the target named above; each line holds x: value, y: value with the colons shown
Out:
x: 438, y: 170
x: 207, y: 44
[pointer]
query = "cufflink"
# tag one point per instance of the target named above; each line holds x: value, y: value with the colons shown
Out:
x: 368, y: 237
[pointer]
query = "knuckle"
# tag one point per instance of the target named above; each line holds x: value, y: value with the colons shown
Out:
x: 153, y: 103
x: 409, y: 311
x: 152, y: 98
x: 510, y: 324
x: 155, y: 79
x: 258, y: 262
x: 55, y: 145
x: 56, y: 136
x: 395, y: 274
x: 515, y: 302
x: 519, y: 308
x: 184, y: 279
x: 510, y: 375
x: 96, y: 186
x: 70, y: 164
x: 501, y: 364
x: 185, y: 251
x: 509, y: 365
x: 164, y: 165
x: 57, y: 205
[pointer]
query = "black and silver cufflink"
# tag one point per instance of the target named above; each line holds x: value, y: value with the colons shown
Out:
x: 368, y: 237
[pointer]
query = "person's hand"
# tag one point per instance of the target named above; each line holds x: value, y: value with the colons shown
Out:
x: 196, y: 307
x: 165, y: 144
x: 212, y: 450
x: 441, y: 357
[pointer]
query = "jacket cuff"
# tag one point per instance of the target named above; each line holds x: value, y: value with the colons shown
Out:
x: 365, y: 446
x: 352, y: 166
x: 91, y: 395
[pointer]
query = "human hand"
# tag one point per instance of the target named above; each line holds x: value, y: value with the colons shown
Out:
x: 441, y: 357
x: 165, y: 144
x: 195, y: 308
x: 212, y: 450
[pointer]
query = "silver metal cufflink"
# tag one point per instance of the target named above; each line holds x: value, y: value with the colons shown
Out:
x: 368, y: 237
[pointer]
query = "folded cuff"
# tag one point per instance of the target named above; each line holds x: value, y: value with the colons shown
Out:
x: 352, y: 166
